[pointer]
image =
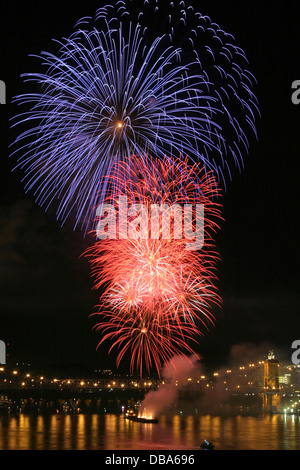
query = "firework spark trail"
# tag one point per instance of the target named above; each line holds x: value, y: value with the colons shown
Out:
x: 152, y: 273
x: 115, y: 88
x: 172, y: 183
x: 158, y: 184
x: 215, y: 54
x: 155, y: 313
x: 105, y: 97
x: 149, y: 340
x: 158, y: 295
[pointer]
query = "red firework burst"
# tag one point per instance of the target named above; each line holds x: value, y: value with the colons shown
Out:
x: 147, y: 336
x: 157, y: 292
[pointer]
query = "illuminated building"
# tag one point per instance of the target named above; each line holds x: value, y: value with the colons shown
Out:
x: 271, y: 396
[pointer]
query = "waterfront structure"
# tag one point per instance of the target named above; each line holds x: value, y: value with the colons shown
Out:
x: 271, y: 395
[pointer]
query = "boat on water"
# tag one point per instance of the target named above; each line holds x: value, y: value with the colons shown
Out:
x: 207, y: 445
x: 140, y: 419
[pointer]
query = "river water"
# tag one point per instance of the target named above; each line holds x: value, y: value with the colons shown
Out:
x: 113, y: 432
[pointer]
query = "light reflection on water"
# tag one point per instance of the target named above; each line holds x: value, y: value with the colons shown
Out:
x: 112, y: 432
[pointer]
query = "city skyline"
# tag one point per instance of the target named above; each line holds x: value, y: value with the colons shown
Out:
x: 263, y: 385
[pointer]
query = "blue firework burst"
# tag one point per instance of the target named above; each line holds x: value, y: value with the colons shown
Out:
x: 216, y: 56
x: 116, y: 88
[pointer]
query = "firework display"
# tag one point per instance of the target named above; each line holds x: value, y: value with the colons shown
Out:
x: 138, y: 119
x: 159, y: 298
x: 115, y: 88
x: 158, y: 293
x: 98, y: 106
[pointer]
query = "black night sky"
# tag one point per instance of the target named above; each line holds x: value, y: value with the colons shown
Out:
x: 45, y: 287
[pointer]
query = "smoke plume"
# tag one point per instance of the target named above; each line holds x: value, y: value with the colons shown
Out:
x: 175, y: 374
